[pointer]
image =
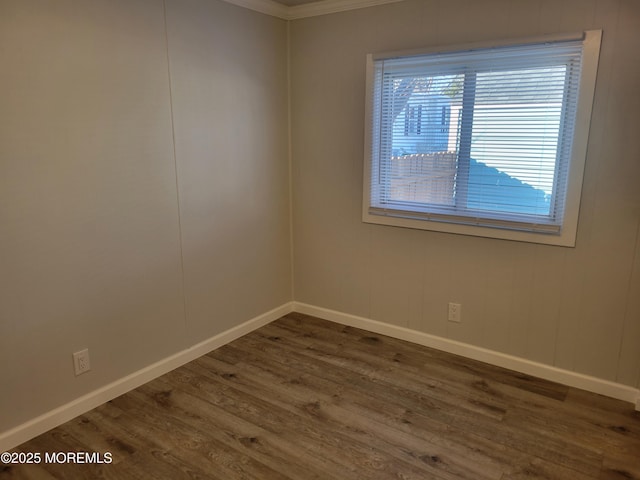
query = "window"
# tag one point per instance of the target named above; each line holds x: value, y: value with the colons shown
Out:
x: 486, y: 141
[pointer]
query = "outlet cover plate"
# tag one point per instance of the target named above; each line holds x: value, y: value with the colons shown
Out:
x: 81, y: 362
x: 455, y: 312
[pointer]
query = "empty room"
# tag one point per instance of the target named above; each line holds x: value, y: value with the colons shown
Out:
x: 330, y: 239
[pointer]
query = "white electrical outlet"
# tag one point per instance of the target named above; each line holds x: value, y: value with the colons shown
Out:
x: 81, y: 361
x: 455, y: 312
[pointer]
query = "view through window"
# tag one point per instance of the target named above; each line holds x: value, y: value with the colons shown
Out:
x: 480, y: 137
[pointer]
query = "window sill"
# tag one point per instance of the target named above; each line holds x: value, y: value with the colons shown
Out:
x: 566, y: 238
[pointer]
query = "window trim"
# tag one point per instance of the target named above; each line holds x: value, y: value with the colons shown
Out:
x: 502, y: 230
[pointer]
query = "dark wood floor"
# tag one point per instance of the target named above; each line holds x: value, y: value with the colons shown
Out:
x: 304, y: 398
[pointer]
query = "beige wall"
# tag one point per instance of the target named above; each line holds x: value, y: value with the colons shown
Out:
x: 108, y: 240
x: 575, y: 308
x: 144, y: 200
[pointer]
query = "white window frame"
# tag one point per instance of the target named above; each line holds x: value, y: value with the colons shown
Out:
x: 566, y: 236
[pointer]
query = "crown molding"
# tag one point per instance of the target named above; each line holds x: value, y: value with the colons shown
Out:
x: 325, y: 7
x: 268, y: 7
x: 320, y: 7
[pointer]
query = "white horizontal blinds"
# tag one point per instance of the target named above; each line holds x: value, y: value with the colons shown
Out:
x: 377, y: 121
x: 416, y: 142
x: 484, y: 134
x: 514, y: 141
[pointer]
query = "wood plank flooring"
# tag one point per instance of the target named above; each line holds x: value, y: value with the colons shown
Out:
x: 303, y: 399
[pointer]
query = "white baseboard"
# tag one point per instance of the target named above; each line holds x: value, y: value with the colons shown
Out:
x: 60, y: 415
x: 547, y: 372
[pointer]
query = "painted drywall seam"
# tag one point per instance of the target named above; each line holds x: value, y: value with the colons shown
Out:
x: 175, y: 165
x: 290, y: 164
x: 628, y: 314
